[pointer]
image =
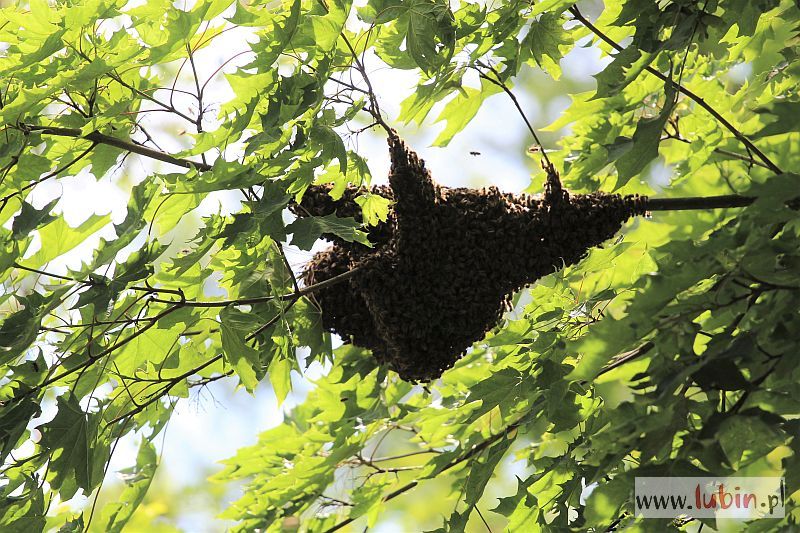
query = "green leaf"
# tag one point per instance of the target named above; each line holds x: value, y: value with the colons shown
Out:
x: 430, y: 37
x: 305, y: 231
x: 243, y: 358
x: 745, y: 439
x: 604, y: 504
x: 77, y: 456
x: 14, y: 420
x: 462, y: 109
x: 480, y: 472
x: 25, y: 514
x: 332, y: 145
x: 326, y: 32
x: 501, y: 388
x: 643, y: 147
x: 544, y: 42
x: 59, y: 238
x: 374, y: 208
x: 549, y: 7
x: 627, y: 65
x: 137, y: 480
x: 31, y: 218
x: 280, y: 377
x: 20, y: 329
x: 368, y: 500
x: 781, y: 121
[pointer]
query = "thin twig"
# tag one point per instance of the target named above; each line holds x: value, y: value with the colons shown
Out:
x: 485, y: 523
x: 513, y: 97
x: 199, y: 122
x: 720, y: 151
x: 373, y: 99
x: 263, y: 299
x: 50, y: 274
x: 52, y: 174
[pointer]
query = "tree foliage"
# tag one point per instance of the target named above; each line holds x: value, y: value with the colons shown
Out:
x: 668, y: 352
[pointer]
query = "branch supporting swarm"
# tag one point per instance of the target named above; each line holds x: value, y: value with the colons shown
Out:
x: 447, y: 261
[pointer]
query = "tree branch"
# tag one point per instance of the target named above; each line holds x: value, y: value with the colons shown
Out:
x: 693, y: 96
x: 174, y: 306
x: 101, y: 138
x: 698, y: 202
x: 472, y: 452
x: 263, y: 299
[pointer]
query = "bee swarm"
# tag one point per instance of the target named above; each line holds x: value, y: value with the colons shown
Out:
x: 447, y: 260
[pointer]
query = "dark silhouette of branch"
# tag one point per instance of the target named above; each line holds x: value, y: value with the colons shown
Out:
x: 698, y: 202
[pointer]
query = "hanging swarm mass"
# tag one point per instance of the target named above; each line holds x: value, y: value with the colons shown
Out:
x: 447, y: 260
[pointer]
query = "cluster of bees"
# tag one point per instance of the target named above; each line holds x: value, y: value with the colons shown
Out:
x: 447, y: 261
